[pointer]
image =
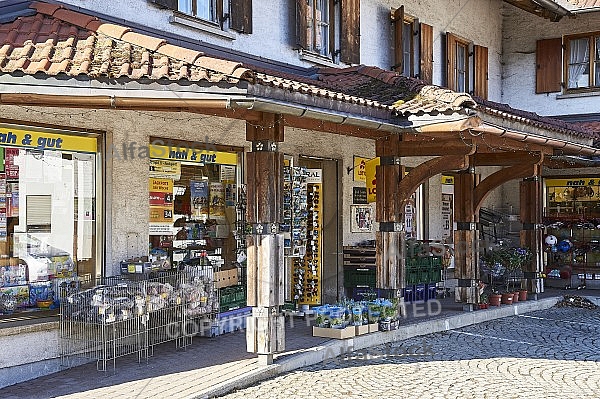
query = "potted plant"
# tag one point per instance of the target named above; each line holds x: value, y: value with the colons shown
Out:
x: 491, y: 264
x: 483, y: 301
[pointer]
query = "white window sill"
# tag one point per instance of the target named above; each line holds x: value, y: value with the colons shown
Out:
x: 198, y: 24
x: 316, y: 59
x: 577, y: 95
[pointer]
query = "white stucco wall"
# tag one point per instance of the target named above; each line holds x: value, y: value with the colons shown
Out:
x: 273, y: 34
x: 521, y: 32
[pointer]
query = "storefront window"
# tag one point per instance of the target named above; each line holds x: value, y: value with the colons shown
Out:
x: 195, y: 211
x: 48, y: 215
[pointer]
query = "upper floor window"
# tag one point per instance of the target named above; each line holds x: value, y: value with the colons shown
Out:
x: 319, y: 27
x: 237, y: 15
x: 569, y: 64
x: 466, y: 66
x: 413, y: 46
x: 204, y: 9
x: 329, y: 29
x: 582, y: 56
x: 458, y: 70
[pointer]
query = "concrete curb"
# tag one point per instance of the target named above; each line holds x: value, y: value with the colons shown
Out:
x: 310, y: 356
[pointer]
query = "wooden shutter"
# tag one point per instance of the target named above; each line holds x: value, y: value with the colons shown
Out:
x: 219, y: 13
x: 171, y: 4
x: 398, y: 19
x: 450, y: 61
x: 480, y: 70
x: 350, y: 31
x: 426, y: 70
x: 241, y: 15
x: 302, y: 24
x: 548, y: 65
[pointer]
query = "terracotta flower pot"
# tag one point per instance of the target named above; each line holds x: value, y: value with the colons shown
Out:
x: 495, y: 299
x: 522, y: 295
x: 507, y: 298
x: 515, y: 297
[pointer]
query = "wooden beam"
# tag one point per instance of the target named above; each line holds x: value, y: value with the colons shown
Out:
x: 495, y: 180
x: 335, y: 128
x: 411, y: 181
x: 506, y: 158
x: 455, y: 147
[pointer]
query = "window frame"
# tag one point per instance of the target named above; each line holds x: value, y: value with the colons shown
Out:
x: 454, y: 42
x: 314, y: 26
x: 593, y: 62
x: 213, y: 9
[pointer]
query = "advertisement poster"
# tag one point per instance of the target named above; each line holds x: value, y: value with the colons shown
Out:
x: 199, y: 198
x: 217, y: 200
x: 161, y: 204
x: 12, y: 200
x: 447, y: 221
x: 165, y: 169
x: 362, y: 219
x: 360, y: 168
x: 11, y: 169
x: 370, y: 168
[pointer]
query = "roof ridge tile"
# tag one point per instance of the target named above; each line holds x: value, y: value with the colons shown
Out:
x: 112, y: 30
x: 45, y: 8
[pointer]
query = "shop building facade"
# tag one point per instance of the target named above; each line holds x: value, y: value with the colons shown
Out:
x: 147, y: 103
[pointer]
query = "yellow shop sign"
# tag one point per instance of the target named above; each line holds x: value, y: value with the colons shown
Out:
x: 191, y: 154
x: 15, y: 137
x: 573, y: 182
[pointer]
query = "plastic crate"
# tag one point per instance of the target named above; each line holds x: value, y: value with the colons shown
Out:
x: 430, y: 291
x: 232, y: 297
x: 420, y: 292
x: 409, y: 294
x: 435, y: 276
x: 360, y: 277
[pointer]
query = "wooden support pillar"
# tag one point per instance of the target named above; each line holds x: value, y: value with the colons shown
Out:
x: 265, y: 333
x: 390, y: 237
x: 531, y: 234
x: 465, y: 239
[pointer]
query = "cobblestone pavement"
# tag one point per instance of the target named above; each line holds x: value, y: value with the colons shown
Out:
x: 554, y: 353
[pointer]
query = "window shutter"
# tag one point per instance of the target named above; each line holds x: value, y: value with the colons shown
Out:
x: 302, y: 24
x: 450, y: 61
x: 350, y: 31
x: 426, y: 70
x: 480, y: 69
x: 171, y: 4
x: 219, y: 12
x: 241, y: 15
x: 548, y: 65
x: 39, y: 211
x: 398, y: 19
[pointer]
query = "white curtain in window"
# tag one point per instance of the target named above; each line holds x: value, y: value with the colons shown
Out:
x: 460, y: 68
x: 204, y: 9
x: 322, y: 28
x: 579, y: 61
x: 185, y: 6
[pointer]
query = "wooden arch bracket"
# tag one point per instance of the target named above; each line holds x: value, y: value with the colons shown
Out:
x: 413, y: 179
x: 495, y: 180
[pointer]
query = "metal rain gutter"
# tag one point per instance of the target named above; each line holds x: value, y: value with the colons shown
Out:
x: 304, y: 111
x: 560, y: 144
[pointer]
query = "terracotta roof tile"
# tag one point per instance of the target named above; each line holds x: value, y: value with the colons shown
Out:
x: 114, y: 31
x: 151, y: 43
x: 180, y: 53
x: 58, y: 40
x: 45, y: 8
x: 74, y: 18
